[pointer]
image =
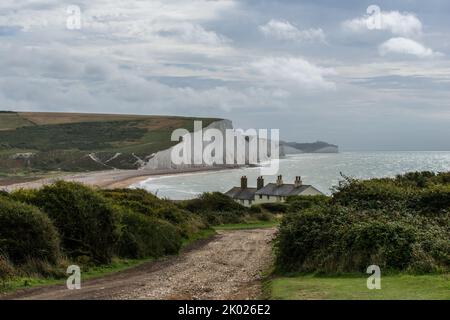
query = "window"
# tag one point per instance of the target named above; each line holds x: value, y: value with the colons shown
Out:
x: 260, y: 196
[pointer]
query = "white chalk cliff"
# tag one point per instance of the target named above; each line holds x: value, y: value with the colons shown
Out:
x: 163, y: 159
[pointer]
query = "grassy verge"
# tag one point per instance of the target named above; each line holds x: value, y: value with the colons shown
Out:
x: 251, y: 225
x: 353, y: 287
x: 89, y: 273
x: 118, y: 264
x: 201, y: 235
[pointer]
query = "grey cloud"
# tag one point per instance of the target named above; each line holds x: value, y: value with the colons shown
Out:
x: 210, y: 59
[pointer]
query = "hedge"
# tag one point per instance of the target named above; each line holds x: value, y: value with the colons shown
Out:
x: 87, y: 223
x: 26, y: 233
x: 144, y: 236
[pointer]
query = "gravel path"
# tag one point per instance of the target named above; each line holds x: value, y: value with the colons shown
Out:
x: 229, y: 266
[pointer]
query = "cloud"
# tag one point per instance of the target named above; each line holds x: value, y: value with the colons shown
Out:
x: 406, y: 46
x: 294, y: 73
x: 194, y: 33
x: 403, y: 24
x: 206, y: 58
x: 284, y: 30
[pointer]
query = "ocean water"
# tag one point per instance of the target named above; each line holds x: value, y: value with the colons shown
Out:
x: 320, y: 170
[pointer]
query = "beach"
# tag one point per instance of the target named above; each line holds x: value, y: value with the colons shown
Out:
x: 109, y: 179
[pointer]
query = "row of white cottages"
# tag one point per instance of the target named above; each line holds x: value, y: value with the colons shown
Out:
x: 270, y: 193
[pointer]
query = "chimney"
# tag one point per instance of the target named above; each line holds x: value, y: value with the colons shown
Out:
x: 259, y: 183
x: 280, y: 180
x: 298, y: 181
x: 244, y: 182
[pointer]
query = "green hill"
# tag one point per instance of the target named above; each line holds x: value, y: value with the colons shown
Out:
x: 42, y: 142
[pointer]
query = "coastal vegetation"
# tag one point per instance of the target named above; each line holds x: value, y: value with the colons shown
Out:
x: 323, y: 246
x: 400, y: 224
x: 45, y: 230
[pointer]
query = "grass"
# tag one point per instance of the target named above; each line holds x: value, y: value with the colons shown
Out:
x: 90, y: 273
x: 201, y: 235
x: 117, y: 265
x: 11, y: 121
x: 353, y: 287
x: 250, y: 225
x: 61, y: 141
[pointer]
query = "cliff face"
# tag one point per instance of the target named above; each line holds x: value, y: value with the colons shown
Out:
x: 77, y: 142
x: 163, y: 159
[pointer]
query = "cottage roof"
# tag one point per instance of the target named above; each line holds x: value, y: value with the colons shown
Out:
x: 241, y: 194
x: 284, y: 190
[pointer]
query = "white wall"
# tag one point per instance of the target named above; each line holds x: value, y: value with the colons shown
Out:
x: 310, y: 191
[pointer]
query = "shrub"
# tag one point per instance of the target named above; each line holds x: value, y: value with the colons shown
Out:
x: 275, y: 207
x: 417, y: 179
x: 7, y: 270
x: 26, y: 233
x: 4, y: 194
x: 386, y: 244
x: 301, y: 236
x: 222, y: 217
x: 141, y: 201
x: 137, y: 200
x: 431, y: 200
x: 172, y: 214
x: 144, y: 236
x: 263, y: 216
x: 298, y: 203
x: 372, y: 194
x: 86, y: 221
x: 344, y: 239
x: 214, y: 201
x: 255, y: 209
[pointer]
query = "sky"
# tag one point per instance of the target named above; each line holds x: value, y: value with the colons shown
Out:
x: 366, y: 75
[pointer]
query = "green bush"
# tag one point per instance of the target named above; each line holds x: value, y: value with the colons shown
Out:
x: 26, y: 233
x: 432, y: 200
x: 137, y: 200
x: 222, y: 217
x: 7, y: 269
x: 386, y: 244
x: 423, y: 179
x: 263, y: 216
x: 275, y: 207
x: 335, y: 239
x: 420, y: 192
x: 372, y: 194
x: 144, y: 236
x: 298, y: 203
x: 256, y: 208
x: 141, y: 201
x: 86, y: 222
x: 214, y: 201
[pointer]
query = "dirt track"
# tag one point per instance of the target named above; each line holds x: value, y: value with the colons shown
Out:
x: 229, y: 266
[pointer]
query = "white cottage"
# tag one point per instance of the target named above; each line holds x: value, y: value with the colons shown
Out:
x: 271, y: 193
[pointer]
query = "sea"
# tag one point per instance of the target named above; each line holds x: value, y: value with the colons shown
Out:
x: 323, y: 171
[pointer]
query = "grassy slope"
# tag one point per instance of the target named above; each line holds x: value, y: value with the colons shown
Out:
x: 393, y: 287
x: 61, y: 141
x: 11, y: 120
